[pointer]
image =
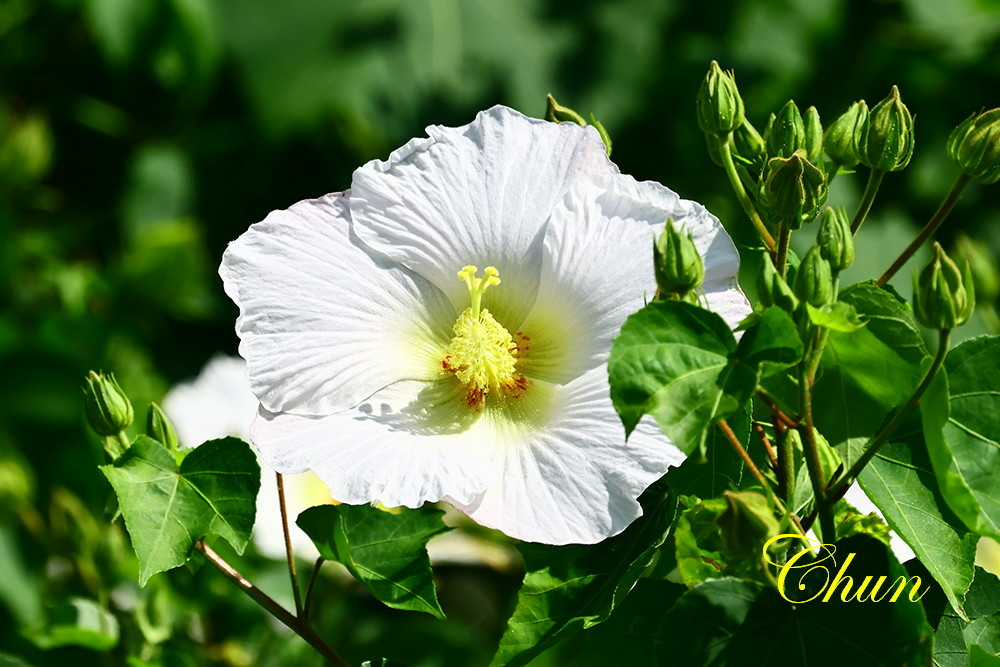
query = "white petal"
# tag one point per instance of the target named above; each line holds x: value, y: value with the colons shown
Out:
x: 324, y: 321
x: 478, y: 194
x: 576, y: 479
x: 410, y: 443
x: 597, y: 269
x: 216, y: 404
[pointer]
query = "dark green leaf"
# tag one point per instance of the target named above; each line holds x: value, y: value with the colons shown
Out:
x: 574, y: 587
x: 901, y: 482
x: 167, y: 508
x: 734, y: 623
x: 954, y: 638
x: 967, y: 457
x: 720, y: 470
x: 384, y: 551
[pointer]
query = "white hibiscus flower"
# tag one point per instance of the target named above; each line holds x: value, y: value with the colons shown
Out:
x: 398, y: 382
x: 219, y: 403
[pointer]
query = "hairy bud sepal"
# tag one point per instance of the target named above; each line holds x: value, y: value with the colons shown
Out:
x: 720, y: 107
x: 975, y: 146
x: 678, y: 266
x: 886, y: 141
x: 943, y: 298
x: 835, y: 240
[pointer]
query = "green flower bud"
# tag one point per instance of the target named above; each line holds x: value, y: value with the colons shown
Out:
x: 720, y: 107
x: 842, y: 138
x: 772, y: 290
x: 787, y: 133
x: 159, y: 428
x: 813, y: 135
x: 746, y: 523
x: 836, y: 243
x: 975, y: 146
x: 886, y: 141
x: 983, y: 266
x: 106, y: 405
x: 814, y: 279
x: 942, y: 299
x: 793, y: 190
x: 678, y: 266
x: 748, y: 142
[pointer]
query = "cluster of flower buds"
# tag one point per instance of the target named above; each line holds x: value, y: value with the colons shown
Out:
x: 942, y: 298
x: 792, y: 190
x: 678, y: 266
x: 975, y: 146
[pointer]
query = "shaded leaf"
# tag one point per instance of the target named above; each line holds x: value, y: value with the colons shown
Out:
x: 167, y: 508
x: 966, y: 456
x: 569, y: 588
x: 386, y: 552
x: 954, y: 638
x: 78, y: 622
x: 733, y: 622
x: 901, y: 482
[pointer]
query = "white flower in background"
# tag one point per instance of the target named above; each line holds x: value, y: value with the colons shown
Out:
x: 219, y: 403
x: 387, y: 363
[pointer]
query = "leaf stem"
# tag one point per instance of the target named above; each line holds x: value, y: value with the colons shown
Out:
x: 944, y: 337
x: 734, y: 180
x: 871, y: 189
x: 943, y: 210
x: 288, y: 545
x: 294, y: 623
x: 786, y: 462
x: 808, y: 434
x: 759, y: 430
x: 307, y: 607
x: 741, y: 451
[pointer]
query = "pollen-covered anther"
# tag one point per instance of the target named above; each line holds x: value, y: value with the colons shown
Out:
x: 483, y: 354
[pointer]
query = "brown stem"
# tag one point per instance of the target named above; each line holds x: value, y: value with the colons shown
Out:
x: 943, y: 210
x: 294, y: 623
x: 312, y: 584
x: 759, y: 430
x: 779, y: 416
x: 741, y: 451
x: 288, y: 545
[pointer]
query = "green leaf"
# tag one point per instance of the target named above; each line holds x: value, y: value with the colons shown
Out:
x: 78, y: 622
x: 734, y: 623
x: 955, y: 640
x: 901, y: 482
x: 966, y: 456
x: 569, y: 588
x: 167, y: 508
x: 384, y: 551
x: 866, y: 373
x: 720, y: 470
x: 837, y: 316
x: 680, y: 364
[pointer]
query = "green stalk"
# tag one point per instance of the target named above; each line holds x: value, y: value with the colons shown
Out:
x: 781, y: 256
x: 943, y: 210
x: 741, y: 194
x: 288, y: 546
x: 944, y: 337
x: 871, y: 189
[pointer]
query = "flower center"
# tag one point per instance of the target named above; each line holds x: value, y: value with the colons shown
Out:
x: 482, y: 355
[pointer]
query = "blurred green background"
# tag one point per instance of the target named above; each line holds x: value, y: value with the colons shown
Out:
x: 138, y: 137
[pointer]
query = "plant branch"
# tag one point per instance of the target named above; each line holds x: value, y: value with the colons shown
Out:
x: 288, y: 545
x: 307, y: 607
x: 734, y: 180
x: 294, y: 623
x: 759, y: 430
x: 944, y: 336
x: 943, y: 210
x: 871, y: 189
x: 781, y: 256
x: 741, y: 451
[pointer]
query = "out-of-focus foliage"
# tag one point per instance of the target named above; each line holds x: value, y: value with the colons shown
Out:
x: 138, y: 138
